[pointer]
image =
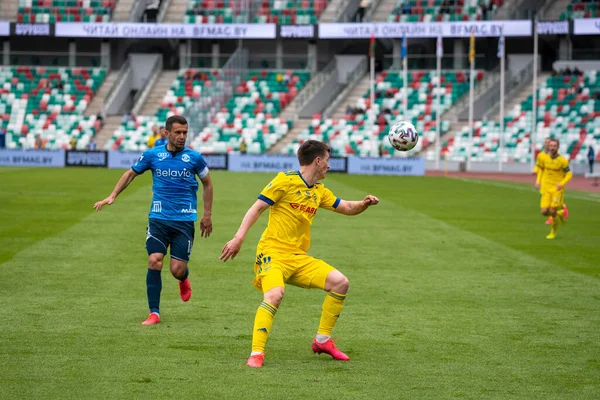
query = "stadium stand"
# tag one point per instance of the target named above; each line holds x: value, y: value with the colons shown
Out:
x: 443, y: 10
x: 581, y: 9
x: 284, y: 12
x: 44, y: 11
x: 568, y: 109
x: 251, y: 113
x: 48, y: 102
x: 361, y: 133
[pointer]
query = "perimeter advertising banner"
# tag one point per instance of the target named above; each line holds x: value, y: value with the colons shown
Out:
x: 386, y: 166
x: 425, y: 29
x: 32, y: 158
x: 587, y: 26
x: 165, y: 31
x: 118, y: 159
x: 4, y: 28
x: 276, y: 163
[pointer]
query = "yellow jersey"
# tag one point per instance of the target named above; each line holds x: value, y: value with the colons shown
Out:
x: 555, y: 170
x: 539, y: 161
x: 294, y: 205
x: 151, y: 140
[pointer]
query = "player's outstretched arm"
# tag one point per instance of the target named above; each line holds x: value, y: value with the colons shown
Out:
x: 232, y: 248
x: 125, y: 180
x: 356, y: 207
x: 207, y: 198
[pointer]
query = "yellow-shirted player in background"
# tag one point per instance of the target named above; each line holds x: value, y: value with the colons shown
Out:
x: 541, y: 157
x: 294, y: 198
x: 554, y: 174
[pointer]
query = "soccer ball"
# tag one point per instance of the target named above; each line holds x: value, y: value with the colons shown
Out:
x: 403, y: 136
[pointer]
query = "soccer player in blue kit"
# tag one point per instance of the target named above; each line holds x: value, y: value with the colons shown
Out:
x: 173, y: 209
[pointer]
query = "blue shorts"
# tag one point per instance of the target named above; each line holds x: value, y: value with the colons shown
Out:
x: 178, y: 234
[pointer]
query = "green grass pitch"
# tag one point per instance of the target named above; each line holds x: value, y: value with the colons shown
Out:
x: 455, y: 293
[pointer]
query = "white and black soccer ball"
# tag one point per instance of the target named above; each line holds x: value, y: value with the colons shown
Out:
x: 403, y: 136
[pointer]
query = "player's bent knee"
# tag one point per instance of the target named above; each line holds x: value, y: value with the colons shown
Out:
x: 274, y: 296
x: 155, y: 261
x: 178, y: 268
x: 545, y: 211
x: 337, y: 282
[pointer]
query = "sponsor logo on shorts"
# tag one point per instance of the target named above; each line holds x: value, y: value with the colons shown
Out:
x: 304, y: 208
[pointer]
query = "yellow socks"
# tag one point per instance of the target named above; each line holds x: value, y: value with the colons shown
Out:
x: 262, y: 326
x: 332, y: 307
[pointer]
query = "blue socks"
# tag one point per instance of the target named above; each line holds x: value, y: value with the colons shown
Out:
x: 153, y: 288
x: 187, y: 272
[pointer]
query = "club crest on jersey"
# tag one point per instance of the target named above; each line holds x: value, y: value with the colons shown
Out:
x: 185, y: 158
x: 304, y: 208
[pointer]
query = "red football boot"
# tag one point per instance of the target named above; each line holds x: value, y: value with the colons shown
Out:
x: 185, y: 289
x: 256, y: 361
x: 329, y: 348
x: 152, y: 319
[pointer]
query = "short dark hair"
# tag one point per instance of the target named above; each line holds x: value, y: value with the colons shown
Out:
x: 175, y: 119
x: 161, y: 127
x: 555, y: 140
x: 310, y: 150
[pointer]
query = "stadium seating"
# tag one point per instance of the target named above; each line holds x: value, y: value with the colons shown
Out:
x: 443, y: 10
x: 283, y: 12
x: 362, y: 133
x: 250, y: 113
x: 568, y: 109
x: 49, y: 102
x: 582, y: 9
x: 44, y: 11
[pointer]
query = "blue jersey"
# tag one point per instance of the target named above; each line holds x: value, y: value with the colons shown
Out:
x: 160, y: 142
x: 174, y: 181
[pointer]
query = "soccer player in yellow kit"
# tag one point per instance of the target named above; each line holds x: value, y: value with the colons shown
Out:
x: 554, y: 173
x: 541, y: 157
x: 294, y: 197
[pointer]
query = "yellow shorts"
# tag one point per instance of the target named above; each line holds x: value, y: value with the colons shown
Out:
x: 275, y: 268
x: 552, y: 199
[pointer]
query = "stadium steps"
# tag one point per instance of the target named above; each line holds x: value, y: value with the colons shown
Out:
x: 384, y: 10
x: 506, y: 10
x: 454, y: 130
x: 517, y: 98
x: 157, y: 93
x: 352, y: 96
x: 176, y: 11
x: 330, y: 12
x: 300, y: 126
x: 97, y: 102
x: 8, y: 10
x: 289, y: 113
x: 110, y: 126
x: 121, y: 11
x: 553, y: 9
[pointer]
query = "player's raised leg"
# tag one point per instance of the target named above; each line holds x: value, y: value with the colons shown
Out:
x: 182, y: 242
x: 336, y: 286
x: 180, y: 271
x: 154, y: 287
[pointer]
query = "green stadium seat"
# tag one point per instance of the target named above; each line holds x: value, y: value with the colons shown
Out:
x: 49, y: 102
x: 362, y: 133
x: 568, y: 108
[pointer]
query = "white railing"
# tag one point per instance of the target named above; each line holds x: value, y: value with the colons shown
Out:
x: 162, y: 11
x: 315, y: 85
x: 122, y: 79
x: 511, y: 86
x: 140, y: 97
x: 352, y: 78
